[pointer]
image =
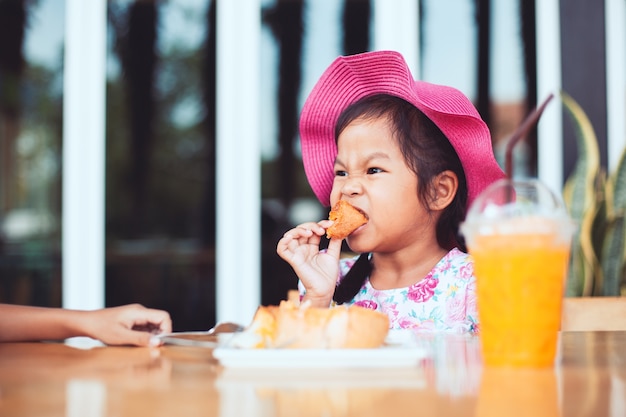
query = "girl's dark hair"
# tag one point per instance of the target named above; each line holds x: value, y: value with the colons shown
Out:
x: 427, y: 153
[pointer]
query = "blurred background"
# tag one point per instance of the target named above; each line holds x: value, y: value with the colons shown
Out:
x: 160, y: 215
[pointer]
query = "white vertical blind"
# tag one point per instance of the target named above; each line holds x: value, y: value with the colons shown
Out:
x: 615, y: 12
x: 396, y: 27
x: 550, y: 128
x: 238, y: 170
x: 83, y: 154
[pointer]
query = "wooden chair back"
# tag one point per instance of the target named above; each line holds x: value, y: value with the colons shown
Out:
x: 593, y: 313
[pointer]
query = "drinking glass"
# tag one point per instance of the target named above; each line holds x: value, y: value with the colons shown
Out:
x: 519, y: 235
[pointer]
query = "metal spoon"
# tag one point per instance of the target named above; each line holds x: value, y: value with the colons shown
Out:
x: 190, y: 338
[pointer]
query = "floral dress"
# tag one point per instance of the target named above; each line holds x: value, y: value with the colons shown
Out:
x: 444, y: 300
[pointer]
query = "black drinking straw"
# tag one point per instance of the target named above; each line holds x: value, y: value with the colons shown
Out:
x: 521, y: 132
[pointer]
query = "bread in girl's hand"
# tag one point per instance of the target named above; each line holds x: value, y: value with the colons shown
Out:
x: 346, y: 220
x: 288, y: 326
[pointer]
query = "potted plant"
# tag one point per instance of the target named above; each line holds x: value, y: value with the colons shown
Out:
x: 597, y: 203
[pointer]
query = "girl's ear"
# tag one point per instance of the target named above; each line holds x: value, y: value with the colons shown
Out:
x: 444, y: 188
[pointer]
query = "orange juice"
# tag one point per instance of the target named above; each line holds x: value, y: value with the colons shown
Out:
x: 519, y: 279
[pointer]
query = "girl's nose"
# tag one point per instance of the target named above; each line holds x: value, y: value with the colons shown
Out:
x: 352, y: 186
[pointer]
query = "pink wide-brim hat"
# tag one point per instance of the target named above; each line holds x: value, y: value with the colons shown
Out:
x: 350, y: 78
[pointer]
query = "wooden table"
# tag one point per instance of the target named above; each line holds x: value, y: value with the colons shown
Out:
x: 53, y: 379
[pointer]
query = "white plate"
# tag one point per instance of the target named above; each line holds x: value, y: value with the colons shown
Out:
x: 384, y: 357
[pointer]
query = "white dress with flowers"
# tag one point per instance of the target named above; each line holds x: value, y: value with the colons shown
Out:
x: 444, y: 300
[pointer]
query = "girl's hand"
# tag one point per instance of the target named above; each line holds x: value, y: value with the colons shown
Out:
x: 318, y: 271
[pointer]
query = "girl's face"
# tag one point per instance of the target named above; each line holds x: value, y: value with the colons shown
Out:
x: 371, y: 173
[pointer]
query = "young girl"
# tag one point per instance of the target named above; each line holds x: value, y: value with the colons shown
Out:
x: 412, y: 156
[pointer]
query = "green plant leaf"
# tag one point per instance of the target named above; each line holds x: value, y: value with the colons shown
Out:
x: 581, y: 198
x: 617, y: 185
x: 598, y: 230
x: 612, y: 256
x: 614, y: 247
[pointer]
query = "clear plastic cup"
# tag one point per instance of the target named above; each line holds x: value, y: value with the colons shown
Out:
x: 519, y: 235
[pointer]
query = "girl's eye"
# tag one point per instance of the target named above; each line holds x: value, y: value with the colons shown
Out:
x: 374, y: 170
x: 340, y: 173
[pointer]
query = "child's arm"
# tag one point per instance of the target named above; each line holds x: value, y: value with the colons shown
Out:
x: 126, y: 325
x: 318, y: 271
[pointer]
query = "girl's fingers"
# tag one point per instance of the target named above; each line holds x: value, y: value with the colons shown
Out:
x: 285, y: 244
x: 304, y: 234
x: 297, y: 237
x: 325, y: 224
x: 293, y: 244
x: 307, y: 230
x: 334, y: 247
x: 313, y: 228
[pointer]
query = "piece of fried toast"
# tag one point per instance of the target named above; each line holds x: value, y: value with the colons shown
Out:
x: 346, y: 220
